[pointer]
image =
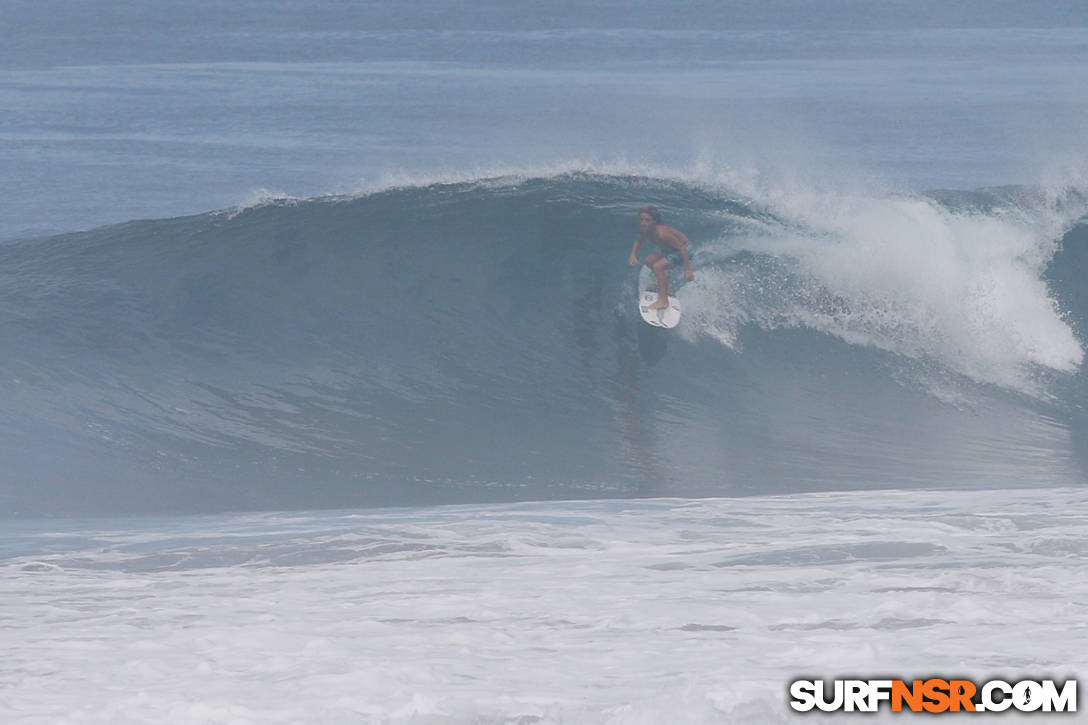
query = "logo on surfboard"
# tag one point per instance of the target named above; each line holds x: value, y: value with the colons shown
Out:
x: 647, y: 295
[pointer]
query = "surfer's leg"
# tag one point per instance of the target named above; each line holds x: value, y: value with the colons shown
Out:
x: 652, y: 259
x: 659, y: 266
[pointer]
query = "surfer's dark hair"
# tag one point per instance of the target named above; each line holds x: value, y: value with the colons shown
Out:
x: 652, y: 211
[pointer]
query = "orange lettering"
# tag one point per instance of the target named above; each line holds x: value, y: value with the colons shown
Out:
x: 911, y: 695
x: 936, y: 691
x: 961, y: 692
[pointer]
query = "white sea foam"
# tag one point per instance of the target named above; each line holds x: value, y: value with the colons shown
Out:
x: 257, y: 198
x: 903, y: 273
x: 657, y: 611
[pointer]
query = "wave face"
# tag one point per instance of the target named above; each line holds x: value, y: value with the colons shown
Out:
x: 477, y: 341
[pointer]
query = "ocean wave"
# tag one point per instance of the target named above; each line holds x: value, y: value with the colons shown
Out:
x: 449, y: 339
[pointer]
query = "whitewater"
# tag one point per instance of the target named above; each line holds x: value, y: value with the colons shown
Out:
x: 611, y: 612
x: 323, y: 396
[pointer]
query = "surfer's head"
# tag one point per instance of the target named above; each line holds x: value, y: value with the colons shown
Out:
x: 651, y: 211
x: 648, y: 217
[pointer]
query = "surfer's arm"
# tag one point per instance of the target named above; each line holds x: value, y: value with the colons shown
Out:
x: 688, y: 274
x: 679, y: 242
x: 633, y: 258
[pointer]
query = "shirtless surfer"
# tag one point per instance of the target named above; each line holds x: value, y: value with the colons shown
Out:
x: 671, y: 241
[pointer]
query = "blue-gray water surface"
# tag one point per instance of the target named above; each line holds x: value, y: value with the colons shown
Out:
x: 281, y: 255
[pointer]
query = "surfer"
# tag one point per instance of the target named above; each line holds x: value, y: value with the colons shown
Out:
x: 671, y: 241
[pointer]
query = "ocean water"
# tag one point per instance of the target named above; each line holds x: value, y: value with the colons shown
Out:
x: 623, y: 611
x: 362, y: 269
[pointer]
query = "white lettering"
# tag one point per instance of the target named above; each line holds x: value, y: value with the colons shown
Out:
x: 836, y: 702
x: 989, y: 704
x: 803, y: 693
x: 1064, y: 701
x: 880, y: 690
x: 1027, y: 696
x: 856, y: 695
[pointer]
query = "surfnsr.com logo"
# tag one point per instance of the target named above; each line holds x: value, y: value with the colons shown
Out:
x: 933, y: 695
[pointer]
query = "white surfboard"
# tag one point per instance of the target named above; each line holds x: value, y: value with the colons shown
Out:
x: 647, y: 295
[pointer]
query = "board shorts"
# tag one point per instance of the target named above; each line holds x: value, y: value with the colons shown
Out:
x: 673, y: 256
